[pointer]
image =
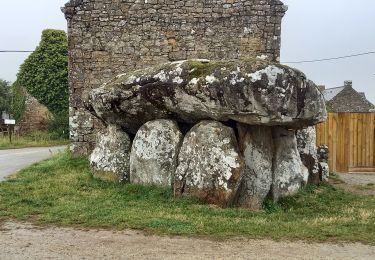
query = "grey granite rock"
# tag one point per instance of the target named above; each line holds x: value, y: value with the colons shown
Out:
x: 153, y: 159
x: 110, y: 158
x: 257, y: 147
x: 210, y: 165
x: 253, y: 92
x: 289, y: 173
x: 306, y: 143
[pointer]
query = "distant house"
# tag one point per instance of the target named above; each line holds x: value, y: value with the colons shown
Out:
x: 346, y: 99
x: 4, y: 115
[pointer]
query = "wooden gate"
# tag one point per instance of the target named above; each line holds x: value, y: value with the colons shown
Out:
x: 351, y: 141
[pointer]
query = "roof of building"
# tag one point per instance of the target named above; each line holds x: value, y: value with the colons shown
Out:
x: 346, y: 99
x: 330, y: 93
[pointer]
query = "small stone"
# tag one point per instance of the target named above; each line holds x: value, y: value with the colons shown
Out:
x: 324, y: 170
x: 323, y: 153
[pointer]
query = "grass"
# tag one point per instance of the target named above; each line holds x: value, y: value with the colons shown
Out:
x: 35, y: 139
x: 61, y: 191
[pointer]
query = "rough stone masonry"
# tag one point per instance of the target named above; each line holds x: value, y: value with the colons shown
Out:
x: 109, y: 37
x: 190, y: 95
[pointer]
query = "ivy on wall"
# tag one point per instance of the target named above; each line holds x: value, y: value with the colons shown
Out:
x: 44, y: 73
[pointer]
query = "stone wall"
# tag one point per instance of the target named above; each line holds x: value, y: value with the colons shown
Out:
x: 109, y: 37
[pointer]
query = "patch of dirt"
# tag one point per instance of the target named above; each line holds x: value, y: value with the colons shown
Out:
x: 358, y: 178
x: 358, y: 183
x: 25, y: 241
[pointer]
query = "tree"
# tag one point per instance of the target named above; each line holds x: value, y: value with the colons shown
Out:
x: 4, y: 96
x: 18, y: 101
x: 44, y: 73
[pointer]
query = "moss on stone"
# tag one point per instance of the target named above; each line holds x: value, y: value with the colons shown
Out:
x: 198, y: 68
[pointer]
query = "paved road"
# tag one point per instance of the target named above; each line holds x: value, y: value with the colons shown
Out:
x: 14, y: 160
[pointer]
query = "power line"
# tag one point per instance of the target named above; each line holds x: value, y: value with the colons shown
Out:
x: 290, y: 62
x: 10, y: 51
x: 334, y: 58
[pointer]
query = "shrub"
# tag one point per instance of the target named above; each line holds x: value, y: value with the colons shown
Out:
x: 58, y: 125
x: 18, y: 99
x: 4, y: 96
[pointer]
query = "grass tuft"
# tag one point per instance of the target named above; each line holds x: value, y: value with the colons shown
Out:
x: 62, y: 191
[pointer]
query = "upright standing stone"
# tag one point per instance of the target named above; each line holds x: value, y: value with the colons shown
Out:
x: 210, y: 166
x: 110, y: 158
x: 256, y: 145
x: 289, y: 174
x: 153, y: 158
x: 306, y: 142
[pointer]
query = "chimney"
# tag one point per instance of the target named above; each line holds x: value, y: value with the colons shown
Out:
x: 322, y: 87
x: 348, y: 83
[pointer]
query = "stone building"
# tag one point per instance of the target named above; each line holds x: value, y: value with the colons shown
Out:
x: 109, y: 37
x: 346, y: 99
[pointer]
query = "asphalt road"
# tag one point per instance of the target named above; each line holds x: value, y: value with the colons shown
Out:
x: 13, y: 160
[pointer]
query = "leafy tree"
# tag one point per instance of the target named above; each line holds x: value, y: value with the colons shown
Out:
x: 18, y: 99
x: 4, y: 96
x: 45, y: 72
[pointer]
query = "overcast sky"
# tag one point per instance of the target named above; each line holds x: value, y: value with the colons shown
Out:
x: 312, y: 29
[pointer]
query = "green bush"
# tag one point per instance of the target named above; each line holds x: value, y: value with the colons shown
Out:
x: 4, y: 96
x: 44, y: 73
x: 18, y: 99
x: 58, y: 125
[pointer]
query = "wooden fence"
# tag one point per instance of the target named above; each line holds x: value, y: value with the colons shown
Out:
x: 351, y: 141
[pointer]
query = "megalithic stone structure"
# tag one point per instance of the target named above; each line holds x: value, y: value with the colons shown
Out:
x: 107, y: 38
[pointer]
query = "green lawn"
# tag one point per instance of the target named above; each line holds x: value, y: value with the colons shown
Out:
x: 61, y: 191
x: 36, y: 139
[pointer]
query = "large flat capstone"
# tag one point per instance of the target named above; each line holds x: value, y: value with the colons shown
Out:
x: 253, y: 92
